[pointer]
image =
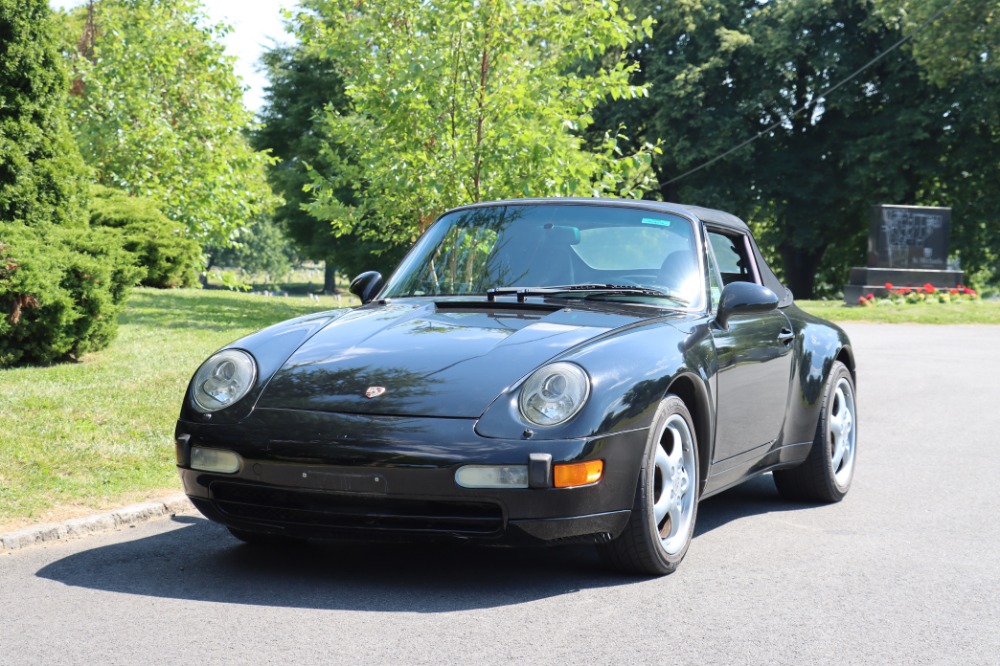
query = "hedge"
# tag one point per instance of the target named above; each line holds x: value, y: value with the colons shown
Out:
x: 168, y: 258
x: 61, y: 290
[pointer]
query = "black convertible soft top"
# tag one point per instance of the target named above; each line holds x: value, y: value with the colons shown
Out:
x: 717, y: 217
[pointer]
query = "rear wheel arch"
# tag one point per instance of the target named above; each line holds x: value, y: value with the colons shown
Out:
x: 826, y: 473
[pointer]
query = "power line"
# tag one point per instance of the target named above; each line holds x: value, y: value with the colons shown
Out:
x: 822, y: 95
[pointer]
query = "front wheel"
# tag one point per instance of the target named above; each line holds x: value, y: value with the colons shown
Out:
x: 660, y: 528
x: 825, y: 476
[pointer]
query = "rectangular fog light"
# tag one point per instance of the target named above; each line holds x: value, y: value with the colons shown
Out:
x: 215, y: 460
x: 492, y: 476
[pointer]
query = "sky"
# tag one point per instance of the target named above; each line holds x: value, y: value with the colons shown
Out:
x: 255, y: 24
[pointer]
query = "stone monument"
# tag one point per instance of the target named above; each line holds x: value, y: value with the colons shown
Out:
x: 907, y: 247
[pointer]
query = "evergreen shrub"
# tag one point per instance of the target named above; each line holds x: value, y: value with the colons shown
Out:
x: 61, y: 290
x: 62, y: 284
x: 42, y: 176
x: 167, y: 257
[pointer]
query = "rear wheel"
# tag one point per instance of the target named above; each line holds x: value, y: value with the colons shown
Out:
x: 660, y: 528
x: 825, y: 476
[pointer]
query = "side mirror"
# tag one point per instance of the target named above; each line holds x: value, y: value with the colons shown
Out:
x: 367, y: 285
x: 740, y: 298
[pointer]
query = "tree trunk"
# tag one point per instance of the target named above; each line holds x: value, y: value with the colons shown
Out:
x: 800, y: 268
x: 330, y: 278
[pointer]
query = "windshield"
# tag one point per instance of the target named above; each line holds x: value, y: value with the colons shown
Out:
x: 603, y: 251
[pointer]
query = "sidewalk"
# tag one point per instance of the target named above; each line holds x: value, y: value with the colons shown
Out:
x: 101, y: 522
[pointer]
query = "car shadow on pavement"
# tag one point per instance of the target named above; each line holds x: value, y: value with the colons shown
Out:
x: 752, y: 498
x: 199, y: 560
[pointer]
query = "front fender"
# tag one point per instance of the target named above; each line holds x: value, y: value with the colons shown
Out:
x: 630, y: 373
x: 270, y: 348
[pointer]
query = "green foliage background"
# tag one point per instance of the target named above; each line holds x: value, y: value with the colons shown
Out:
x: 41, y: 173
x: 166, y: 256
x: 158, y: 112
x: 62, y: 283
x: 452, y: 102
x: 723, y: 73
x: 62, y: 289
x: 301, y: 85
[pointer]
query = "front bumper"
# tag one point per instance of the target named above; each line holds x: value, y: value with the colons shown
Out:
x: 325, y: 475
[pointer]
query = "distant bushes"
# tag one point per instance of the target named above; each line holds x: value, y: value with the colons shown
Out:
x: 62, y: 287
x: 61, y: 290
x: 168, y: 259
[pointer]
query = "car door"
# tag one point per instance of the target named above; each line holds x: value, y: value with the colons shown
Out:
x: 754, y: 354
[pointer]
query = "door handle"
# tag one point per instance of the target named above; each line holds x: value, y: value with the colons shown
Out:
x: 786, y: 336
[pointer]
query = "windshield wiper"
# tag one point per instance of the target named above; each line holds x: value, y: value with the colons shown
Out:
x: 612, y: 289
x: 521, y: 292
x: 597, y: 289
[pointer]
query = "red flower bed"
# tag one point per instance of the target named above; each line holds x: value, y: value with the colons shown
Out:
x: 925, y: 294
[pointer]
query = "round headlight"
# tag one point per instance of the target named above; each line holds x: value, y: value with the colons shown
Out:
x: 553, y: 394
x: 223, y: 379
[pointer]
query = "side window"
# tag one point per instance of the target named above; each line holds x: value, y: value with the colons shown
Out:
x: 732, y: 257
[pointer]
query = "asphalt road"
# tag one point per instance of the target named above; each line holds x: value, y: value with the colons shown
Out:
x: 906, y: 570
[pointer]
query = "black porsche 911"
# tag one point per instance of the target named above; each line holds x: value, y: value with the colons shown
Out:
x: 534, y: 371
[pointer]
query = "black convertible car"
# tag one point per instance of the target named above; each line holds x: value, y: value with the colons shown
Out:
x: 534, y: 371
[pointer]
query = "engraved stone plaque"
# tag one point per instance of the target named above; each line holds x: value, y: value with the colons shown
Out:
x: 914, y: 237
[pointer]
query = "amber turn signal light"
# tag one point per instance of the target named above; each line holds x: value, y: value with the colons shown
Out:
x: 577, y: 474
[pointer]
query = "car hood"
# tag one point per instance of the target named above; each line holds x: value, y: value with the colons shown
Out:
x: 426, y: 358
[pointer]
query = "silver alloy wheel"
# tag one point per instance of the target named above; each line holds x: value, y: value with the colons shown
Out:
x: 673, y: 494
x: 842, y: 433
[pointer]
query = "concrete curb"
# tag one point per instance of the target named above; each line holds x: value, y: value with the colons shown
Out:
x: 102, y: 522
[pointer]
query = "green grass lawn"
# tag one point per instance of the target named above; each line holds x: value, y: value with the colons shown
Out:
x: 81, y: 436
x: 77, y: 437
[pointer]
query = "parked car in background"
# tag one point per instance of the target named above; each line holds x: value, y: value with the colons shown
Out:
x: 534, y: 371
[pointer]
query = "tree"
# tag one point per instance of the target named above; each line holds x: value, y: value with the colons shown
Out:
x: 300, y: 85
x: 955, y: 43
x: 722, y: 73
x: 263, y: 249
x: 168, y: 258
x: 42, y: 178
x: 158, y: 112
x: 454, y: 102
x: 955, y: 37
x: 62, y: 284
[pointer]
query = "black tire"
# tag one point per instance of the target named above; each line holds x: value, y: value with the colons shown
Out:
x: 825, y: 476
x: 649, y: 545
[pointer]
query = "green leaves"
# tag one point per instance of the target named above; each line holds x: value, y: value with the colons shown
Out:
x: 454, y: 102
x: 158, y: 112
x: 61, y: 289
x: 42, y: 178
x: 749, y: 82
x: 955, y: 39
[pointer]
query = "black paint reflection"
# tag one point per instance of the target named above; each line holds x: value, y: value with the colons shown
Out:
x: 322, y: 387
